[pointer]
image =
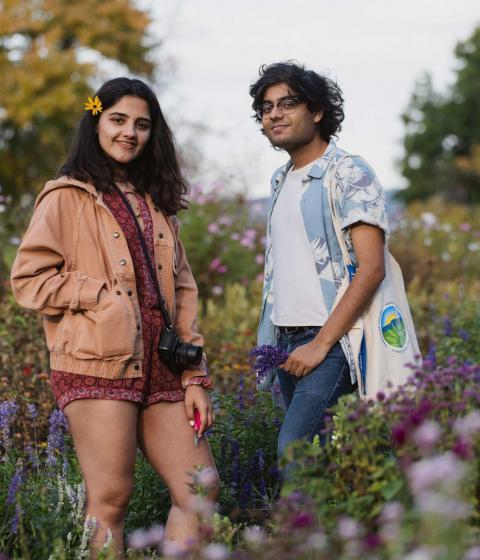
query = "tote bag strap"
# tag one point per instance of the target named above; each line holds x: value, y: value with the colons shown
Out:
x: 331, y: 186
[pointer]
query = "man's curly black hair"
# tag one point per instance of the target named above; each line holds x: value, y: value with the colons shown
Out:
x: 319, y: 92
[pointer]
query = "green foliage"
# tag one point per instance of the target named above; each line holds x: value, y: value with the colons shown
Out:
x: 355, y: 474
x: 442, y: 140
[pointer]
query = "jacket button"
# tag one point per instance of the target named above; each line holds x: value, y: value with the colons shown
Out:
x: 129, y: 292
x: 118, y: 292
x: 159, y: 267
x: 116, y: 234
x: 123, y: 262
x: 136, y: 366
x: 160, y: 236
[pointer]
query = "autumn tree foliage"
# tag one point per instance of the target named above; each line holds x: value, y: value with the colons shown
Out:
x: 51, y: 54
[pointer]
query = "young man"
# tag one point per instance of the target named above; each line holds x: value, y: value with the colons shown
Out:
x: 300, y: 111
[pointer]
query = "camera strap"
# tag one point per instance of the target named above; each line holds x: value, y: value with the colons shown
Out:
x: 161, y: 301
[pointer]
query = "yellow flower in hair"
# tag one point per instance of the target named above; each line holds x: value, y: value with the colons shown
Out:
x: 94, y: 105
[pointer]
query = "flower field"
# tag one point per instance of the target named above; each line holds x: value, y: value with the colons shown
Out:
x: 399, y: 479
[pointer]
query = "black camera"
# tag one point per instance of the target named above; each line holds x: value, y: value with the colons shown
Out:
x: 177, y: 354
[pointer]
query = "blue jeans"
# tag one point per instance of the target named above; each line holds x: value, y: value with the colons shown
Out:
x: 307, y: 398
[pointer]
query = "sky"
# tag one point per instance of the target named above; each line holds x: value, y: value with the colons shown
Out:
x: 374, y: 49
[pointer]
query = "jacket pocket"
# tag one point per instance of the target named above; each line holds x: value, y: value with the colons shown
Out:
x: 107, y: 331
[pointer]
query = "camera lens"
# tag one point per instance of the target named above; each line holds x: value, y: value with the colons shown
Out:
x: 189, y: 354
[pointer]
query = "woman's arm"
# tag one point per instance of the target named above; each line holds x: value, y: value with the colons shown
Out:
x: 40, y: 278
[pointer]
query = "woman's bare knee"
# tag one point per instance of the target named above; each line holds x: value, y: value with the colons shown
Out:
x: 110, y: 505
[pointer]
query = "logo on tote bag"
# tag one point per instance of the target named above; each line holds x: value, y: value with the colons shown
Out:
x: 392, y: 328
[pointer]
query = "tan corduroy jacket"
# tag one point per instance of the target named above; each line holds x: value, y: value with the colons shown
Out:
x: 74, y: 267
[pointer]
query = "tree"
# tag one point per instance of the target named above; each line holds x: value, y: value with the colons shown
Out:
x: 50, y: 55
x: 442, y: 140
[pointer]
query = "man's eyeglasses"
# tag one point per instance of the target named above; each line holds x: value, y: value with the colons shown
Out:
x: 285, y: 105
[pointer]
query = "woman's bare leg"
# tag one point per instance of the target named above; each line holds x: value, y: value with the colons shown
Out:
x: 105, y: 437
x: 166, y: 439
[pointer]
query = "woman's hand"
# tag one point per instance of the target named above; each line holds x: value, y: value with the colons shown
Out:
x: 197, y: 397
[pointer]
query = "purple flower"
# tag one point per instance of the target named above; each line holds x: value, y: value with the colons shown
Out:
x: 267, y: 358
x: 302, y: 520
x: 372, y: 541
x: 463, y: 448
x: 8, y: 412
x: 32, y: 411
x: 399, y: 433
x: 14, y: 486
x: 56, y: 441
x: 15, y: 520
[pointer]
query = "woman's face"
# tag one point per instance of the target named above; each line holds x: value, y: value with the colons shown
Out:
x: 124, y: 129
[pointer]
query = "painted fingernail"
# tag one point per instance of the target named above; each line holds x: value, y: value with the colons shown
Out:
x: 192, y: 423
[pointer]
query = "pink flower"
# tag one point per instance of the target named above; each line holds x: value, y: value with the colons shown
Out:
x: 235, y: 236
x: 216, y: 262
x: 259, y: 259
x: 247, y: 242
x: 427, y: 435
x: 213, y: 228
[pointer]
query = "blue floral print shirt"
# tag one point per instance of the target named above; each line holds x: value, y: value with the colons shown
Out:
x: 359, y: 198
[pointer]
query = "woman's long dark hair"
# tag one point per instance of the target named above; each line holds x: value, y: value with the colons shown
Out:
x: 155, y: 170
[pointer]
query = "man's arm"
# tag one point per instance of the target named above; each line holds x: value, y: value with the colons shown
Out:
x: 368, y: 244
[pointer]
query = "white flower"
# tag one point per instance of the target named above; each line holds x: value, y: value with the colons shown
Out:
x: 207, y: 477
x: 172, y: 549
x: 348, y: 528
x: 392, y: 511
x: 469, y: 425
x: 442, y: 470
x: 420, y: 554
x: 201, y: 505
x: 428, y: 219
x: 427, y: 435
x: 316, y: 541
x: 254, y: 535
x: 215, y: 552
x: 472, y: 554
x: 442, y: 506
x: 138, y: 540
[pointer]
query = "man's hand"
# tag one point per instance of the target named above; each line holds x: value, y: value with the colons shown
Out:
x: 305, y: 358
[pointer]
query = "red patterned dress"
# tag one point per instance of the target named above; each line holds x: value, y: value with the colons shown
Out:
x: 157, y: 383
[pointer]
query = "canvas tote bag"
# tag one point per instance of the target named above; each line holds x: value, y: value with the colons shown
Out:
x: 383, y: 340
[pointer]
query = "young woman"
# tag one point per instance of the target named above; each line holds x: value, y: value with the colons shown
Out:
x: 101, y: 252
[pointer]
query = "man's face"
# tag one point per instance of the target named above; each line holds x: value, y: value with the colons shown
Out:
x: 292, y: 130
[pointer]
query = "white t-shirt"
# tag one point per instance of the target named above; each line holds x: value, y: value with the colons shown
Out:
x: 298, y: 299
